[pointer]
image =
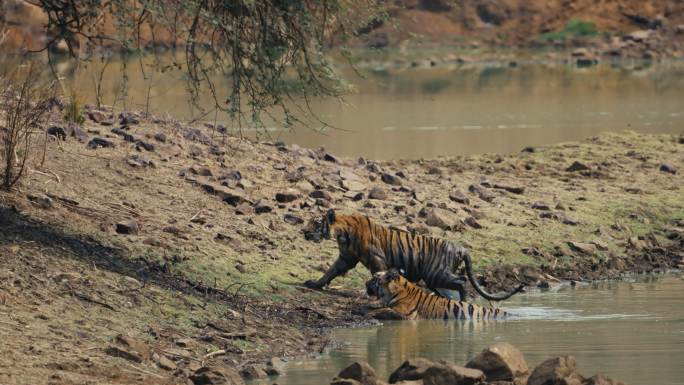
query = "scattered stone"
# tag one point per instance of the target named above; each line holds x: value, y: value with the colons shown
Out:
x: 160, y: 137
x: 391, y: 179
x: 638, y: 36
x: 130, y: 227
x: 438, y: 218
x: 99, y: 142
x: 125, y: 135
x: 128, y: 119
x: 577, y: 166
x: 600, y: 379
x: 510, y: 189
x: 40, y: 200
x: 377, y: 193
x: 374, y: 168
x: 144, y: 145
x: 584, y: 248
x: 485, y: 182
x: 472, y: 222
x: 482, y: 193
x: 166, y: 363
x: 126, y: 354
x: 78, y: 133
x: 445, y: 373
x: 215, y: 375
x: 638, y: 244
x: 136, y: 344
x: 201, y: 170
x: 320, y: 194
x: 244, y: 209
x: 330, y: 158
x: 411, y: 370
x: 666, y: 167
x: 541, y: 206
x: 354, y: 195
x: 195, y: 151
x: 292, y: 219
x: 252, y: 372
x: 359, y: 371
x: 195, y: 135
x: 261, y: 207
x: 500, y: 362
x: 559, y: 370
x: 459, y: 197
x: 232, y: 197
x: 136, y: 160
x: 97, y: 116
x: 289, y: 195
x: 57, y: 132
x: 353, y: 185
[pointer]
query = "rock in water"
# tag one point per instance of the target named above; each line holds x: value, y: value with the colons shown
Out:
x: 501, y: 361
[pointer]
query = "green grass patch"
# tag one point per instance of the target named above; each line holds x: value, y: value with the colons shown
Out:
x: 574, y: 29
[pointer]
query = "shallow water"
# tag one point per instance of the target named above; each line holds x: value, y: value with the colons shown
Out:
x: 440, y: 111
x: 631, y: 330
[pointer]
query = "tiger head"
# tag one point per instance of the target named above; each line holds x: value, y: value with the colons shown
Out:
x: 385, y: 284
x: 319, y: 228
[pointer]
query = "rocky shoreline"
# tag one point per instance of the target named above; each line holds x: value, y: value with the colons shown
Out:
x: 188, y: 241
x: 499, y: 364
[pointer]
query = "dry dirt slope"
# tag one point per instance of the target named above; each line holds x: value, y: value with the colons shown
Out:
x: 213, y: 254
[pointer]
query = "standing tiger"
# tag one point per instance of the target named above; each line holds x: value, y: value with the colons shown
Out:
x: 379, y: 248
x: 413, y: 302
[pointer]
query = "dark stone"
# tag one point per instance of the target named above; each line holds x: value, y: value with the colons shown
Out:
x: 262, y: 207
x: 128, y: 119
x: 558, y: 370
x: 459, y: 196
x: 359, y: 371
x: 127, y: 137
x: 577, y: 166
x: 130, y: 227
x: 511, y: 189
x: 500, y: 362
x: 126, y: 354
x: 541, y: 206
x: 377, y: 193
x: 160, y: 137
x: 215, y: 375
x: 78, y: 133
x: 195, y: 135
x: 330, y: 158
x: 99, y: 142
x: 411, y: 370
x: 287, y: 196
x: 391, y: 179
x: 320, y: 194
x: 472, y: 222
x: 293, y: 219
x: 666, y: 167
x: 57, y: 132
x: 146, y: 146
x: 481, y: 192
x: 97, y: 116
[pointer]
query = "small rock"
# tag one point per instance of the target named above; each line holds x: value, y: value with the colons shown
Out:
x: 136, y: 160
x: 438, y: 218
x: 130, y: 227
x: 78, y: 133
x: 125, y: 135
x: 638, y: 36
x: 241, y: 268
x: 450, y: 374
x: 501, y: 361
x: 292, y: 219
x: 126, y: 354
x: 99, y: 142
x: 57, y: 132
x: 289, y: 195
x: 410, y: 370
x: 166, y: 363
x: 128, y: 119
x: 252, y: 372
x: 584, y: 248
x: 160, y: 137
x: 559, y: 370
x: 458, y: 196
x: 391, y: 179
x: 377, y: 193
x: 354, y: 195
x: 230, y: 196
x: 666, y: 167
x: 353, y: 185
x: 349, y: 175
x: 472, y: 222
x: 638, y: 244
x: 97, y: 116
x: 136, y: 344
x: 344, y: 381
x: 482, y: 193
x: 40, y: 200
x: 600, y: 379
x: 195, y: 151
x: 510, y: 189
x: 215, y: 375
x: 541, y: 206
x: 330, y: 158
x: 320, y: 194
x: 261, y: 207
x: 577, y: 166
x: 144, y: 145
x: 244, y: 209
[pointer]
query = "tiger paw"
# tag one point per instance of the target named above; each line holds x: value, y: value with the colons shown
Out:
x: 311, y: 284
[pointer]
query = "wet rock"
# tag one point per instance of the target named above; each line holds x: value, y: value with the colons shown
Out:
x: 541, y: 206
x: 253, y: 372
x: 481, y: 192
x: 377, y: 193
x: 510, y: 188
x: 438, y: 218
x: 666, y: 167
x: 577, y: 166
x: 584, y: 248
x: 216, y: 375
x: 40, y: 200
x: 600, y: 379
x: 57, y: 132
x: 411, y: 370
x: 261, y: 207
x: 160, y: 137
x: 289, y: 195
x: 293, y: 219
x: 501, y: 361
x: 390, y: 179
x: 359, y: 371
x: 559, y: 370
x: 127, y: 354
x: 445, y: 373
x: 96, y: 143
x: 129, y: 227
x: 459, y: 197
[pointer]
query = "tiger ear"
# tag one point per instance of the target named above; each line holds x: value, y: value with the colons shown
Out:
x: 330, y: 216
x: 402, y: 272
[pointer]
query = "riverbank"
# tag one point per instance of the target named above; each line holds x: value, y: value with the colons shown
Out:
x: 147, y: 248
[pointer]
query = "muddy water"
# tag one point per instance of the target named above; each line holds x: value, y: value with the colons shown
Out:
x: 631, y: 330
x: 428, y: 112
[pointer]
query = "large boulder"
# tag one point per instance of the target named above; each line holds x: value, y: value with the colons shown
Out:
x: 556, y: 371
x: 445, y: 373
x: 410, y: 370
x: 501, y: 361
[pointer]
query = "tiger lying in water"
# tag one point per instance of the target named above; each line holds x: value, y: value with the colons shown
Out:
x: 379, y: 248
x: 413, y: 302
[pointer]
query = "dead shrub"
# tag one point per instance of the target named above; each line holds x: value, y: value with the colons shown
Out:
x: 25, y: 102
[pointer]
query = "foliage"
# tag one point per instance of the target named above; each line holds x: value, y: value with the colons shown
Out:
x: 573, y: 29
x: 24, y: 106
x: 73, y: 112
x: 262, y: 46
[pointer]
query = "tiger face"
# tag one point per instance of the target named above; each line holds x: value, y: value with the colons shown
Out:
x: 384, y: 284
x: 319, y: 228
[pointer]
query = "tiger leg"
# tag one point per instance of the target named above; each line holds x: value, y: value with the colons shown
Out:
x: 445, y: 282
x: 338, y: 268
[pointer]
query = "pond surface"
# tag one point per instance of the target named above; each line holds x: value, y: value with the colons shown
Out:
x: 436, y: 111
x: 630, y: 330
